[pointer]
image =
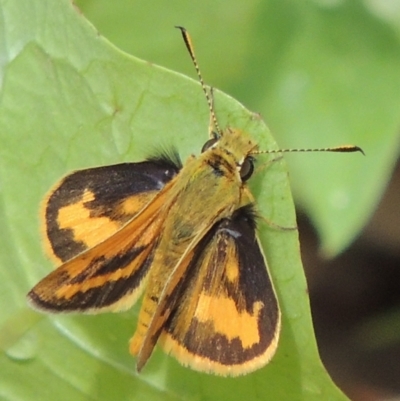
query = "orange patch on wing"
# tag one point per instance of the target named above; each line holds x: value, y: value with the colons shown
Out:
x: 227, y: 320
x: 134, y: 204
x: 86, y: 229
x: 232, y: 271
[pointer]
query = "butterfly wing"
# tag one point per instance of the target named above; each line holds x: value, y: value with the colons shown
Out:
x: 226, y: 318
x: 109, y: 275
x: 90, y: 205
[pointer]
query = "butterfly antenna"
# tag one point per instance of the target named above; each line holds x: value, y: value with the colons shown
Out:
x: 341, y: 149
x: 189, y: 45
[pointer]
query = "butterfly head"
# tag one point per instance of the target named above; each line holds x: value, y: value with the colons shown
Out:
x: 236, y: 147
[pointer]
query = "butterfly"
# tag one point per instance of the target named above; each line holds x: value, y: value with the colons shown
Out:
x: 184, y: 236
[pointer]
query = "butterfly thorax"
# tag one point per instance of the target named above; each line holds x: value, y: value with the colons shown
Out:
x: 214, y: 181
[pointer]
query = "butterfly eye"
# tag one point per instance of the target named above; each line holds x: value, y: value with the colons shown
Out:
x: 247, y: 168
x: 208, y: 144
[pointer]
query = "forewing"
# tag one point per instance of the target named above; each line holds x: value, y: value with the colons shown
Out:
x: 110, y: 275
x: 227, y: 319
x: 90, y: 205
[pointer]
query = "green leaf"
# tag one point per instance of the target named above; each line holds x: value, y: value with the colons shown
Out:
x: 70, y: 100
